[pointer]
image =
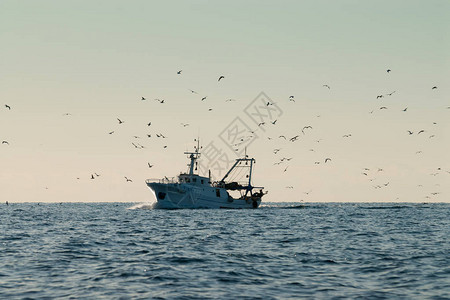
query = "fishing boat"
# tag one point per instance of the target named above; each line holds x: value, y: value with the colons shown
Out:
x: 190, y: 190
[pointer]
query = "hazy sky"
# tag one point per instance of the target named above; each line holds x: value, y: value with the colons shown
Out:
x: 95, y: 60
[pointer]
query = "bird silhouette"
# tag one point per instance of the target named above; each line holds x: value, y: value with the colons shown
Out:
x: 383, y: 107
x: 274, y: 122
x: 143, y: 98
x: 410, y: 132
x: 306, y: 127
x: 128, y: 180
x: 434, y: 87
x: 204, y: 98
x: 421, y: 131
x: 179, y: 72
x: 7, y: 106
x: 193, y: 92
x: 327, y: 159
x: 327, y: 86
x: 111, y: 132
x: 405, y: 109
x: 120, y: 121
x: 149, y: 123
x: 149, y: 165
x: 221, y: 77
x: 388, y: 70
x: 5, y: 142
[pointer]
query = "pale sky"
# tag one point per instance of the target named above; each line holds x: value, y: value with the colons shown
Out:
x: 95, y: 60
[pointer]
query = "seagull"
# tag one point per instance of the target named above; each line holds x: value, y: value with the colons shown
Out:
x: 262, y: 123
x: 410, y: 132
x: 286, y: 169
x: 184, y: 125
x: 111, y: 132
x: 327, y: 159
x: 347, y: 135
x: 209, y: 109
x: 326, y: 85
x: 7, y: 106
x: 390, y: 94
x: 434, y: 87
x: 383, y: 107
x: 293, y: 139
x: 221, y: 77
x: 275, y: 151
x: 128, y: 180
x: 228, y: 100
x: 282, y: 136
x: 291, y: 98
x: 98, y: 175
x: 5, y: 142
x: 67, y: 114
x: 120, y: 121
x: 306, y: 127
x: 193, y: 92
x: 92, y: 176
x: 143, y: 98
x: 179, y: 72
x: 204, y: 98
x: 380, y: 96
x: 149, y: 165
x: 421, y: 131
x: 405, y: 109
x: 274, y: 122
x: 388, y: 70
x: 149, y: 124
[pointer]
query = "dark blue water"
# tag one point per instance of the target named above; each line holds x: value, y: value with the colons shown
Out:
x: 280, y: 251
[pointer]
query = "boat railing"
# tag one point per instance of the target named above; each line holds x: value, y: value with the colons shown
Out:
x: 164, y: 180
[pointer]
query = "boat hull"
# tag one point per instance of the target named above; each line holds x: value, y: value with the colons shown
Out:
x: 179, y: 196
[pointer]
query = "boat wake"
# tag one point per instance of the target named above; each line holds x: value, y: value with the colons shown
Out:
x: 143, y: 206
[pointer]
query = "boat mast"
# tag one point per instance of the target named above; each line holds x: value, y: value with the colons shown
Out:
x: 193, y: 156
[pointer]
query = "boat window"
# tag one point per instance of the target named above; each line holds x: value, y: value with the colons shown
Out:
x: 194, y: 179
x: 202, y: 181
x: 217, y: 192
x: 187, y: 180
x: 161, y: 195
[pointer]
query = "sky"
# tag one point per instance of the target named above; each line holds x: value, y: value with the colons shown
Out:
x: 70, y: 69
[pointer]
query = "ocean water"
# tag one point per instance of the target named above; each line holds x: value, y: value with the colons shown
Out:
x: 279, y: 251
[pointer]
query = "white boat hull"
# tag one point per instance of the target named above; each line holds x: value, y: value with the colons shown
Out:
x: 176, y: 196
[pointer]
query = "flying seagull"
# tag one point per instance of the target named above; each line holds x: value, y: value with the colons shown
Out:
x: 221, y: 77
x: 204, y: 98
x: 143, y: 98
x: 405, y: 109
x: 434, y: 87
x: 149, y: 165
x: 179, y: 72
x: 327, y: 159
x: 388, y: 70
x: 128, y: 180
x: 120, y: 121
x: 5, y: 142
x: 7, y: 106
x: 326, y: 85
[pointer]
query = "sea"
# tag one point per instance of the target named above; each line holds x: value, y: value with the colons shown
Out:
x: 279, y: 251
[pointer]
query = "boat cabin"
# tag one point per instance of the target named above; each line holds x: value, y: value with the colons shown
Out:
x: 194, y: 179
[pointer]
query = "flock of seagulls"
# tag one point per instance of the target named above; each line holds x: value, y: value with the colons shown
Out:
x: 289, y: 139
